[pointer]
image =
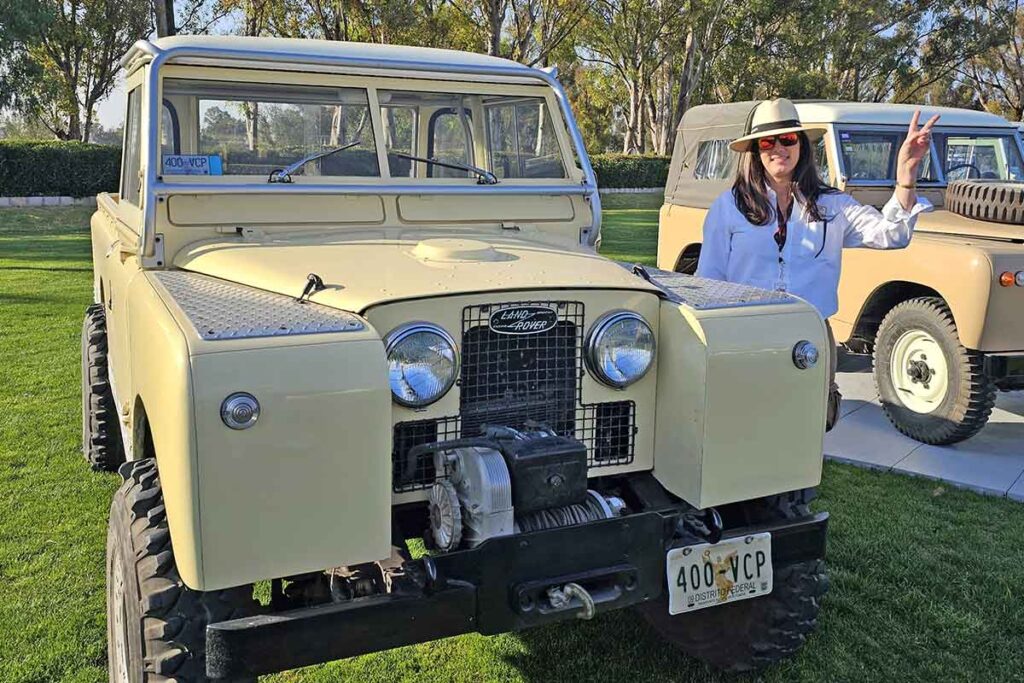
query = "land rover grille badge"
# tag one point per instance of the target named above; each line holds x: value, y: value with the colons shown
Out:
x: 523, y: 320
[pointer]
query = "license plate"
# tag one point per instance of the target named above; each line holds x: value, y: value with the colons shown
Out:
x: 708, y: 575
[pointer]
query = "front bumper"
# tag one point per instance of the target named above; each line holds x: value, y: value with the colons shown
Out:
x: 496, y: 587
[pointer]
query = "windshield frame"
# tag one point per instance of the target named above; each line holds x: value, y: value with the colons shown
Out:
x: 372, y: 85
x: 154, y: 62
x: 937, y: 163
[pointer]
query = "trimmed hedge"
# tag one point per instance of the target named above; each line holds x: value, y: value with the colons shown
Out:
x: 628, y: 170
x: 30, y: 168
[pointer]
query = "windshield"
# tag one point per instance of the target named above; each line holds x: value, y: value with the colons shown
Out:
x: 287, y: 133
x: 255, y: 129
x: 978, y: 156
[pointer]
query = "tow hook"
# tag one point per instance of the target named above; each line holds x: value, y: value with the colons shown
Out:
x: 705, y: 524
x: 561, y: 599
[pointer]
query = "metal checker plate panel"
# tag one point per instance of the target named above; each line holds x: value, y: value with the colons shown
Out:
x: 225, y: 310
x: 705, y: 294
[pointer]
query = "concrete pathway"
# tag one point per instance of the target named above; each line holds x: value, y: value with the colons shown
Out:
x: 992, y: 462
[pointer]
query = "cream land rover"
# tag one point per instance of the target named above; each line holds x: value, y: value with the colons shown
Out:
x: 348, y: 297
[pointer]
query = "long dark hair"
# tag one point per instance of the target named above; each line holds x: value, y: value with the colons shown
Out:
x: 750, y: 188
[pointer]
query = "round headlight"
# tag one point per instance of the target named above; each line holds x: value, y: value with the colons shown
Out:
x: 620, y: 349
x: 422, y: 364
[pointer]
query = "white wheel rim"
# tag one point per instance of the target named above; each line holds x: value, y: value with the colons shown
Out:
x: 919, y: 371
x: 119, y: 628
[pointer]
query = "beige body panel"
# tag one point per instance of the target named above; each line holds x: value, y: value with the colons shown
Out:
x: 209, y: 210
x: 678, y: 228
x: 366, y: 268
x: 313, y: 474
x: 738, y: 362
x: 293, y: 474
x: 956, y: 257
x: 961, y: 270
x: 163, y: 393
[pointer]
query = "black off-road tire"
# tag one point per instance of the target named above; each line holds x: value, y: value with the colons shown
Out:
x: 750, y: 634
x: 163, y: 621
x: 970, y: 393
x: 1000, y: 202
x: 101, y: 436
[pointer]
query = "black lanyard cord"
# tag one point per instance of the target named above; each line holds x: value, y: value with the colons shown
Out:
x: 824, y: 235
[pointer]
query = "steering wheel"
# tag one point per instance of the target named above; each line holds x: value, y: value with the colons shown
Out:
x: 969, y: 167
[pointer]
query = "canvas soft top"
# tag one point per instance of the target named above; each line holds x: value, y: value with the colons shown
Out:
x: 699, y: 124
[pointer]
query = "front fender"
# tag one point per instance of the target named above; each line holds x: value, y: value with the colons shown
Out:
x: 308, y: 486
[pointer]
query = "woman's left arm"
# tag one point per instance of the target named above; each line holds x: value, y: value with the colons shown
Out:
x: 892, y: 227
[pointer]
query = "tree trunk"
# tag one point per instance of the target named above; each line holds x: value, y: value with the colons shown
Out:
x: 495, y: 22
x: 252, y: 124
x: 631, y: 142
x: 164, y: 17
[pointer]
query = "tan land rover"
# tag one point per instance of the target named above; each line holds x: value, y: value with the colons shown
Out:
x: 945, y: 316
x: 347, y: 298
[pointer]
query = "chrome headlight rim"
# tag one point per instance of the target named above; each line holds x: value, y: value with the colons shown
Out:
x: 603, y: 324
x: 396, y: 336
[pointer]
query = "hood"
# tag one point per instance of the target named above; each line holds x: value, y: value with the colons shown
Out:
x: 949, y: 223
x: 364, y: 270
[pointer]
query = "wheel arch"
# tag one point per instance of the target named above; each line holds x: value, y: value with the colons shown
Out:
x: 881, y: 301
x: 142, y: 437
x: 686, y: 262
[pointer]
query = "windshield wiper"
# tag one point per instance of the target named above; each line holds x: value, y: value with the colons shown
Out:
x: 284, y: 175
x: 485, y: 177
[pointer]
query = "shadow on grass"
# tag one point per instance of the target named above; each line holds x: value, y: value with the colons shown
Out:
x: 617, y: 646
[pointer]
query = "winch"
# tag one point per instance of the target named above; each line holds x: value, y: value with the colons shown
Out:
x: 510, y: 481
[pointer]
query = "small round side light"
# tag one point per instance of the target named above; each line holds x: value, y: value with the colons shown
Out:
x: 805, y: 355
x: 1019, y: 278
x: 240, y: 410
x: 1006, y: 279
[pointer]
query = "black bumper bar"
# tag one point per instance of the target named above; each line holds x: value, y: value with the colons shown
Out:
x: 498, y: 586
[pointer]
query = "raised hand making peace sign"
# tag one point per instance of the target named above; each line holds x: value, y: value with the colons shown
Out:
x: 914, y: 149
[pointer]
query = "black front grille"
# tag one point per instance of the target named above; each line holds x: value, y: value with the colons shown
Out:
x: 508, y: 379
x: 512, y: 380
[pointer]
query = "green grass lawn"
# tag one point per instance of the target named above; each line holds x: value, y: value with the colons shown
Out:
x: 927, y: 581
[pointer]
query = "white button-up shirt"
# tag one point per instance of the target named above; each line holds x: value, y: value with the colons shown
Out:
x: 809, y: 264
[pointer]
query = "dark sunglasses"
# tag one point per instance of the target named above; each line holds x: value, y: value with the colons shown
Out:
x: 785, y: 139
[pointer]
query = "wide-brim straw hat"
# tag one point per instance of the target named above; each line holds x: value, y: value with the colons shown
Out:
x: 773, y: 117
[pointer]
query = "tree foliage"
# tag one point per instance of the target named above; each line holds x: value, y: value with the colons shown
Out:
x: 631, y: 67
x: 68, y: 58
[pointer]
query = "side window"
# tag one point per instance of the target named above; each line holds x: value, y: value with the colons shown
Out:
x: 872, y: 156
x: 821, y: 161
x: 131, y: 161
x: 450, y: 139
x: 869, y: 156
x: 170, y: 131
x: 714, y: 160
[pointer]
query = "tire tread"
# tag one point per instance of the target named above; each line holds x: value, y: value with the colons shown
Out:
x: 101, y: 434
x: 174, y: 617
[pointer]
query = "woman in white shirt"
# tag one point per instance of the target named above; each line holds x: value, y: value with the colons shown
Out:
x: 782, y: 228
